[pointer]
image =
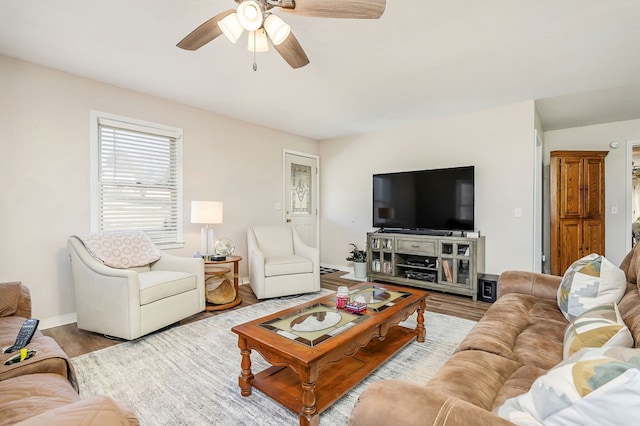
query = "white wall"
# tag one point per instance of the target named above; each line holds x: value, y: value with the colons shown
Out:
x: 598, y: 137
x: 44, y: 173
x: 498, y: 142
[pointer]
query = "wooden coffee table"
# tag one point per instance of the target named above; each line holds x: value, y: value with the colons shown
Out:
x: 318, y: 353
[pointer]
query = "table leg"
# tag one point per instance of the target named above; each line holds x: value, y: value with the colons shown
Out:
x: 309, y: 415
x: 246, y: 376
x: 420, y: 325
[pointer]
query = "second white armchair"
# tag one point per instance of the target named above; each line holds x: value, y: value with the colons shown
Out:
x: 280, y: 263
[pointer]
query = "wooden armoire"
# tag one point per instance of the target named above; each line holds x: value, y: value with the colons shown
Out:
x: 577, y: 206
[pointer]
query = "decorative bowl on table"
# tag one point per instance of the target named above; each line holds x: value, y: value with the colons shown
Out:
x: 224, y: 247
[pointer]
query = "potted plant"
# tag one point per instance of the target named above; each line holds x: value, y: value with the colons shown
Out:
x: 359, y: 258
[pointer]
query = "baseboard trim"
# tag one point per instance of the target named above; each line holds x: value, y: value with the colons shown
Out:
x: 58, y: 321
x: 338, y: 267
x: 73, y: 318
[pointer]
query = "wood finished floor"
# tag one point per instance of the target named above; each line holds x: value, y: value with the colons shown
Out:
x: 77, y: 342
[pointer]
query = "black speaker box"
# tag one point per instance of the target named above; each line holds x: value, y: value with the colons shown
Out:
x: 487, y: 287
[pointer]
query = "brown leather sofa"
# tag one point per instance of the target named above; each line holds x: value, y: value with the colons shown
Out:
x: 43, y: 389
x: 518, y: 339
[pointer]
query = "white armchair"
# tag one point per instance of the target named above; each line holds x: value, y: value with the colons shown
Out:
x: 131, y: 302
x: 280, y: 263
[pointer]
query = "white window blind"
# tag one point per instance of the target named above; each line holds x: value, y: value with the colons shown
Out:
x: 139, y: 182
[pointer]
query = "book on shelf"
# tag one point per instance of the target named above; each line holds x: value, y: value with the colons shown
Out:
x: 446, y: 267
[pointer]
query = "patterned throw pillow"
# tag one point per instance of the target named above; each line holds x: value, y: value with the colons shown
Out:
x: 589, y: 282
x: 121, y: 249
x: 593, y: 387
x: 598, y: 327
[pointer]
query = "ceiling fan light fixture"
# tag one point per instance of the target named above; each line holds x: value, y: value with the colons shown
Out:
x: 250, y: 15
x: 231, y: 27
x: 277, y: 29
x: 257, y: 41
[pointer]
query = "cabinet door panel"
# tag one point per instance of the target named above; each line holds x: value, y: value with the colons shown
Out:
x: 594, y: 187
x: 593, y: 234
x: 571, y: 188
x: 428, y: 248
x: 570, y: 248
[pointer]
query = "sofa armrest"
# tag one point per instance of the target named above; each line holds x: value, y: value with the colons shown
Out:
x: 96, y: 410
x: 301, y: 248
x: 169, y: 262
x: 191, y: 265
x: 15, y: 299
x: 256, y: 264
x: 394, y: 402
x: 531, y: 283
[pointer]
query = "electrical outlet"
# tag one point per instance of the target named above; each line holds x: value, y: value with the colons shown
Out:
x: 518, y: 212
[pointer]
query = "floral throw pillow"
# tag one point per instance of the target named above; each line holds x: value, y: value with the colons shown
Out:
x: 121, y: 249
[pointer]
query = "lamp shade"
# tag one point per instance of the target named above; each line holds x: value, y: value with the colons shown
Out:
x: 277, y: 29
x: 231, y: 27
x: 257, y: 41
x: 249, y: 15
x: 206, y: 211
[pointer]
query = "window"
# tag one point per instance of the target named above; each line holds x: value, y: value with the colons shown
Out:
x: 136, y: 178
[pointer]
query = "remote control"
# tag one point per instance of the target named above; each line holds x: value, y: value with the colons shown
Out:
x: 24, y: 335
x: 19, y: 357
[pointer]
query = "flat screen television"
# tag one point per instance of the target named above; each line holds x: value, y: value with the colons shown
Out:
x: 425, y: 200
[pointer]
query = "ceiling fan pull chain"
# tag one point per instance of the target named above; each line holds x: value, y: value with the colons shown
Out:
x: 255, y: 65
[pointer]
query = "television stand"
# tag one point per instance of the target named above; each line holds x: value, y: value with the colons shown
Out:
x: 436, y: 262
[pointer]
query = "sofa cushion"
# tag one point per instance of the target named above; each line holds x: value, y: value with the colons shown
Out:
x: 96, y: 410
x: 522, y: 328
x: 287, y: 265
x: 601, y: 326
x: 518, y: 383
x: 593, y: 387
x: 156, y: 285
x: 10, y: 298
x: 629, y: 308
x: 121, y: 249
x: 589, y: 282
x: 26, y: 396
x: 488, y: 373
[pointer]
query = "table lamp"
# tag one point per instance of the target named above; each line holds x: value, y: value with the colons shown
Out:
x: 209, y: 213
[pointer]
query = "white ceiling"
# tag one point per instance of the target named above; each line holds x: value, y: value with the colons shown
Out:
x: 422, y: 59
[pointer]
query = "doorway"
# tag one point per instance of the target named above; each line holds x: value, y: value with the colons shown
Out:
x: 633, y: 194
x: 301, y: 195
x: 538, y: 185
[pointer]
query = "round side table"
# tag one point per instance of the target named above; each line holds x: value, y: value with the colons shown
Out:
x: 220, y: 268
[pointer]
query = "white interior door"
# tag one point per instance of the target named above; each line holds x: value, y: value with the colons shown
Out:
x: 301, y: 195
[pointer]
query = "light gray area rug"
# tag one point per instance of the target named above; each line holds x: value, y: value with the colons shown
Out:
x: 188, y: 375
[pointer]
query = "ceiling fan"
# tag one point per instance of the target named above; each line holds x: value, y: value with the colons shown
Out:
x: 265, y: 28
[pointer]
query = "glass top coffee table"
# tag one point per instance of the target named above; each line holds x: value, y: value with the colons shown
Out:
x: 318, y: 352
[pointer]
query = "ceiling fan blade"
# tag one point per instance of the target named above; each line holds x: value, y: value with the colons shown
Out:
x: 351, y: 9
x: 204, y: 33
x: 292, y: 52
